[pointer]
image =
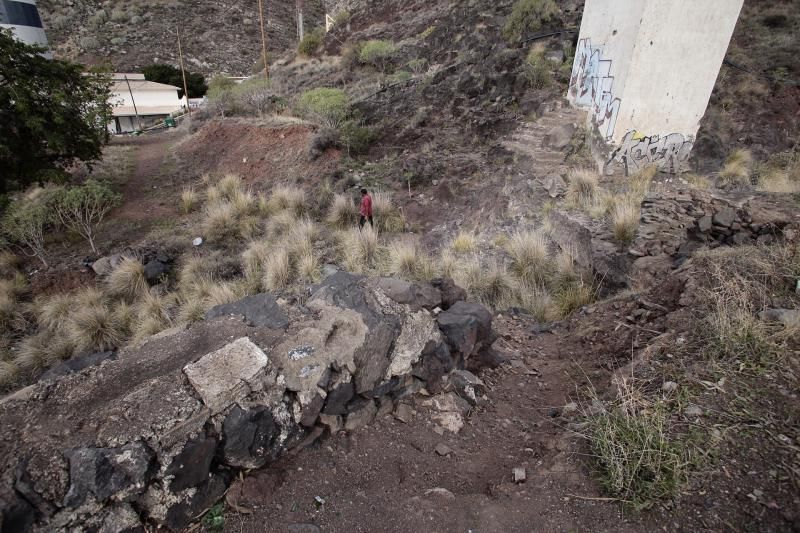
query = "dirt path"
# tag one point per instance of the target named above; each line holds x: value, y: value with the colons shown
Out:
x: 387, y: 477
x: 149, y: 192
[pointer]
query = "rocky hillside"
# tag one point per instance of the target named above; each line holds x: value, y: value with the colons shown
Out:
x: 218, y: 35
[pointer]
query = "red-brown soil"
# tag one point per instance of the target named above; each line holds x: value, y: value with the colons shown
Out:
x: 262, y: 155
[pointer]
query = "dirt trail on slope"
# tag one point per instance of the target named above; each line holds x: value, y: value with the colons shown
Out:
x: 381, y: 477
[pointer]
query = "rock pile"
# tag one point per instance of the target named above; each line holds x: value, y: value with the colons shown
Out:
x: 156, y: 433
x: 676, y: 225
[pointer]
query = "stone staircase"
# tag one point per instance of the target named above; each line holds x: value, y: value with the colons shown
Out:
x: 544, y: 141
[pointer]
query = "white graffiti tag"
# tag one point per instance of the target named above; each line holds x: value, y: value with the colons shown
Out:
x: 591, y: 86
x: 638, y: 151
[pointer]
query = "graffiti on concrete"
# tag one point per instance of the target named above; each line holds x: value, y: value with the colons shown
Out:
x: 591, y: 86
x: 639, y: 151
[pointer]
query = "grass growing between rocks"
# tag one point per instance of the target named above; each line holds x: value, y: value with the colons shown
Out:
x: 700, y: 400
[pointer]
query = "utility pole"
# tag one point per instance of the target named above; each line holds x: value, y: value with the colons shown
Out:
x: 263, y: 38
x: 183, y: 71
x: 136, y: 111
x: 300, y: 32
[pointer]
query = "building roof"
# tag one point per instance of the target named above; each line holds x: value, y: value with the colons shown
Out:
x: 129, y: 75
x: 121, y: 86
x: 127, y: 111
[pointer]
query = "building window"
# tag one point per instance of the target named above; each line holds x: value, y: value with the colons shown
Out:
x: 19, y: 14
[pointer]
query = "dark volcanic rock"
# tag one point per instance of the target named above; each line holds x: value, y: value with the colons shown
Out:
x: 192, y: 466
x: 336, y: 403
x: 451, y: 293
x: 78, y: 363
x: 260, y: 310
x: 106, y: 472
x: 154, y: 270
x: 467, y: 327
x: 250, y: 437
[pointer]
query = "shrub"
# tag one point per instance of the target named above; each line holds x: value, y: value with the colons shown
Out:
x: 341, y: 18
x: 463, y: 242
x: 355, y: 137
x: 418, y: 66
x: 529, y: 260
x: 188, y: 200
x: 378, y: 53
x: 221, y: 93
x: 529, y: 16
x: 330, y: 107
x: 128, y: 280
x: 119, y: 16
x: 255, y: 95
x: 83, y: 208
x: 737, y: 168
x: 538, y: 70
x: 311, y: 41
x: 582, y: 187
x: 26, y: 222
x: 343, y: 212
x: 89, y: 43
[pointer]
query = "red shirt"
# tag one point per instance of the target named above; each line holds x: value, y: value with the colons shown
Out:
x: 366, y: 206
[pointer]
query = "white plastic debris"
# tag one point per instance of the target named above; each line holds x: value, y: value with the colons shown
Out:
x: 198, y: 241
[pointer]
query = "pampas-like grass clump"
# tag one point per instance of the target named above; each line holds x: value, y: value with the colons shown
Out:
x: 188, y: 200
x: 220, y: 222
x: 342, y: 212
x: 286, y: 197
x: 625, y: 220
x: 463, y: 242
x: 529, y: 259
x: 582, y: 187
x: 736, y: 170
x: 360, y: 249
x: 277, y: 270
x: 127, y: 280
x: 94, y: 328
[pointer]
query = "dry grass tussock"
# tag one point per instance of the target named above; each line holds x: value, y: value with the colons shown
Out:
x: 189, y: 200
x: 625, y: 219
x: 278, y: 269
x: 741, y: 282
x: 94, y: 328
x: 9, y: 264
x: 737, y: 168
x: 582, y: 185
x: 360, y: 250
x: 779, y: 181
x: 463, y: 243
x: 342, y: 212
x: 152, y: 315
x: 388, y: 218
x: 127, y: 280
x: 408, y: 260
x: 285, y: 197
x: 529, y: 257
x: 491, y: 284
x: 229, y: 186
x: 308, y: 269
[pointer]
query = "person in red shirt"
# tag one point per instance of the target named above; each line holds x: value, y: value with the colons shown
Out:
x: 366, y: 209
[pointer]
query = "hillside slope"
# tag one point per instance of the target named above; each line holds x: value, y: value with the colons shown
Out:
x: 218, y: 36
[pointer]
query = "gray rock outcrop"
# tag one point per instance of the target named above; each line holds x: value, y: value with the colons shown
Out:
x: 156, y: 434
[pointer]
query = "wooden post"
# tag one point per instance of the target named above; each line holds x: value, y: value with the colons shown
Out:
x: 183, y: 71
x: 300, y: 28
x: 263, y: 38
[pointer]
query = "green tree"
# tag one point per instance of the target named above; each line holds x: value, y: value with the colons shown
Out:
x: 52, y: 114
x: 83, y: 208
x: 161, y: 73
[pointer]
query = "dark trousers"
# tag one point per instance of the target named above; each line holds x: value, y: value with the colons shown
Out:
x: 363, y: 221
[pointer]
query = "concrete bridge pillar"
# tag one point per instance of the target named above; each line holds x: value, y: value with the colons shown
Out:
x: 644, y: 71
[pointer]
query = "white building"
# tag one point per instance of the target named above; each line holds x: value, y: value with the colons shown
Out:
x: 138, y: 103
x: 22, y: 18
x: 645, y: 70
